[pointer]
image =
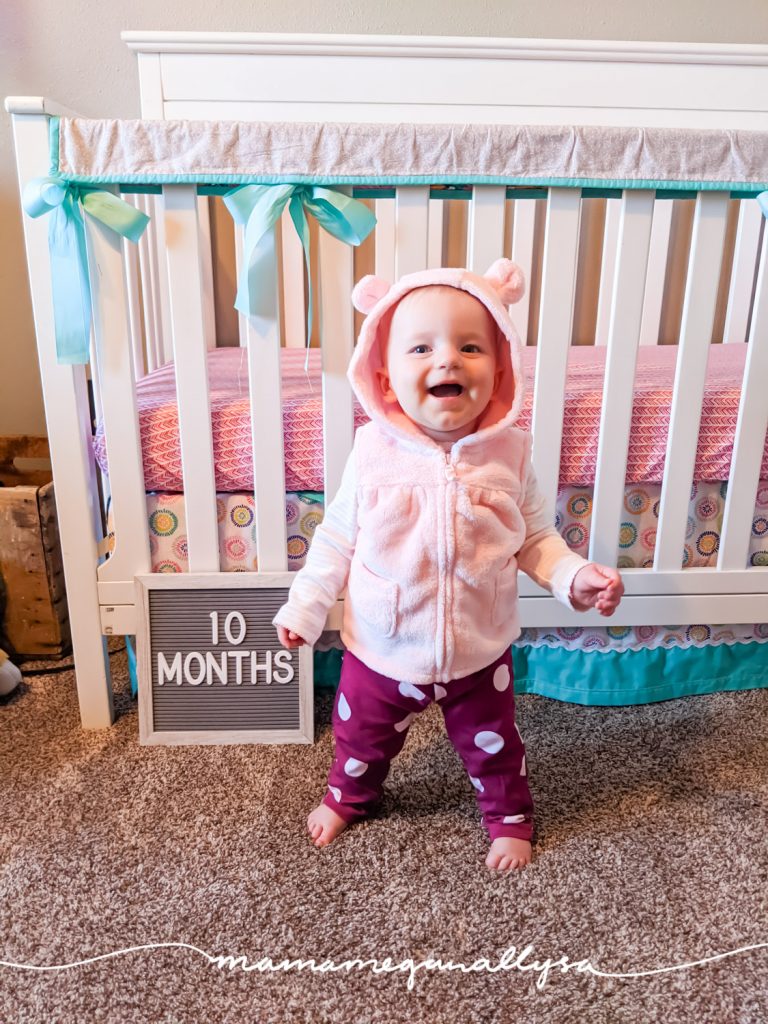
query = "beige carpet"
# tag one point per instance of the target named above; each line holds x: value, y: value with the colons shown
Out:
x: 651, y: 851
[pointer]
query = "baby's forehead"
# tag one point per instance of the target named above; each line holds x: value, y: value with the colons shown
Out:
x: 437, y: 295
x: 424, y: 302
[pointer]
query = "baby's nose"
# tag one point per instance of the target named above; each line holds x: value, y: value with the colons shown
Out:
x: 449, y: 357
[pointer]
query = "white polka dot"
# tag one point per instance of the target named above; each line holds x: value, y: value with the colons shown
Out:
x: 522, y: 766
x: 409, y: 690
x: 354, y: 767
x: 400, y: 726
x: 490, y: 742
x: 513, y: 819
x: 501, y: 678
x: 440, y: 692
x: 477, y: 784
x: 345, y: 712
x: 335, y: 793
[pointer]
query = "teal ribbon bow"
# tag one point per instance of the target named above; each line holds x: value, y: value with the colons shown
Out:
x: 762, y: 200
x: 66, y: 243
x: 259, y: 207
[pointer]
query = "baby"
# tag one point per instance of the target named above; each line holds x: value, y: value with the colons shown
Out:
x: 437, y: 508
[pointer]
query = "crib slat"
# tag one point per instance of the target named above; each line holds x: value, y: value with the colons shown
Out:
x: 636, y: 214
x: 523, y: 227
x: 98, y: 408
x: 657, y: 271
x: 655, y: 275
x: 411, y: 217
x: 185, y: 293
x: 485, y: 238
x: 384, y: 239
x: 117, y: 387
x: 263, y: 345
x: 751, y: 426
x: 131, y: 264
x: 132, y: 276
x: 690, y: 372
x: 162, y: 298
x: 743, y: 271
x: 555, y: 324
x: 149, y: 285
x: 336, y: 280
x: 436, y: 230
x: 242, y: 321
x: 607, y: 270
x: 206, y: 270
x: 294, y: 292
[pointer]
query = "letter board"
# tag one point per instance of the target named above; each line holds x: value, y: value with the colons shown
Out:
x: 210, y: 666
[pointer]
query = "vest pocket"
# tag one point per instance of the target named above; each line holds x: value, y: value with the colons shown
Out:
x: 375, y: 599
x: 505, y: 594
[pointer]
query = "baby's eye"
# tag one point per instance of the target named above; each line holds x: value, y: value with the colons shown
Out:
x: 471, y: 347
x: 420, y: 349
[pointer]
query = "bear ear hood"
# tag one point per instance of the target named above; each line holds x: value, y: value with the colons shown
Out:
x: 501, y: 285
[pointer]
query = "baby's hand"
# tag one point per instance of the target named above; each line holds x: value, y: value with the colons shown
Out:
x: 596, y: 586
x: 288, y: 638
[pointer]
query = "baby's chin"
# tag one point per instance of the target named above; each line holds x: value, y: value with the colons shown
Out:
x: 448, y: 435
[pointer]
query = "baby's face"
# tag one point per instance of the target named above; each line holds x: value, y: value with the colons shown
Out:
x: 440, y: 361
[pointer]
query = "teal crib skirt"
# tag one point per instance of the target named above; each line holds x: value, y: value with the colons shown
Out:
x: 616, y: 678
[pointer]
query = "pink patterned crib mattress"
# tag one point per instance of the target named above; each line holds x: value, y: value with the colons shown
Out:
x: 302, y: 418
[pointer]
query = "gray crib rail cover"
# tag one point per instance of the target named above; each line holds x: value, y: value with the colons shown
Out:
x: 87, y: 151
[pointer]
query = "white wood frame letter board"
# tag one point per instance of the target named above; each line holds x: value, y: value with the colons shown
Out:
x: 210, y: 667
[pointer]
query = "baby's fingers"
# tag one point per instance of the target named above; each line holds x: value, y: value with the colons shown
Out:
x: 288, y: 638
x: 608, y: 601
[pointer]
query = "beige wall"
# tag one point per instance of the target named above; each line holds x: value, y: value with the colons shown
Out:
x: 74, y: 54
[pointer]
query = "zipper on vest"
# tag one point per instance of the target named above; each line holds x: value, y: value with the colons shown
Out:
x: 450, y: 558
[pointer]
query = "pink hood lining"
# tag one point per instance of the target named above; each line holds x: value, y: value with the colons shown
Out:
x: 375, y: 297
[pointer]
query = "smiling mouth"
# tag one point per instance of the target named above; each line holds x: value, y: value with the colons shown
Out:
x: 446, y: 390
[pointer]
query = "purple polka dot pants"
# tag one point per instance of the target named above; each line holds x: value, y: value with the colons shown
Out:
x: 371, y: 717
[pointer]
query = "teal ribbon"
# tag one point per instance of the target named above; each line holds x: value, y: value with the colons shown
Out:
x: 69, y: 262
x: 763, y: 202
x: 259, y: 207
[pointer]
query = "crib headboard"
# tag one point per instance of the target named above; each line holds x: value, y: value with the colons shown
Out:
x: 274, y: 77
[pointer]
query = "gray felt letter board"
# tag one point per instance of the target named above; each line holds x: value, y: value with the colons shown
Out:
x: 211, y: 669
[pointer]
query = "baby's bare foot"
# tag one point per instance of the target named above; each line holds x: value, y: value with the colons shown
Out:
x: 324, y: 825
x: 508, y: 854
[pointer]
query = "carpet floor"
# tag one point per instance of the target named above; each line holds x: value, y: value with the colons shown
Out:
x: 649, y: 880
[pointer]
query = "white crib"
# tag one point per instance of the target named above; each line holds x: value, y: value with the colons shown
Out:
x: 156, y: 303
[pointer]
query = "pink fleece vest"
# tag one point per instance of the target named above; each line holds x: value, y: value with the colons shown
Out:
x: 432, y: 588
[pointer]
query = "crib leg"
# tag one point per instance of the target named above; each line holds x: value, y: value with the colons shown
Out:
x: 92, y: 673
x: 69, y: 434
x: 79, y: 515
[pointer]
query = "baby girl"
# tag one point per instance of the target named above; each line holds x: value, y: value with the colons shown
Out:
x: 437, y: 508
